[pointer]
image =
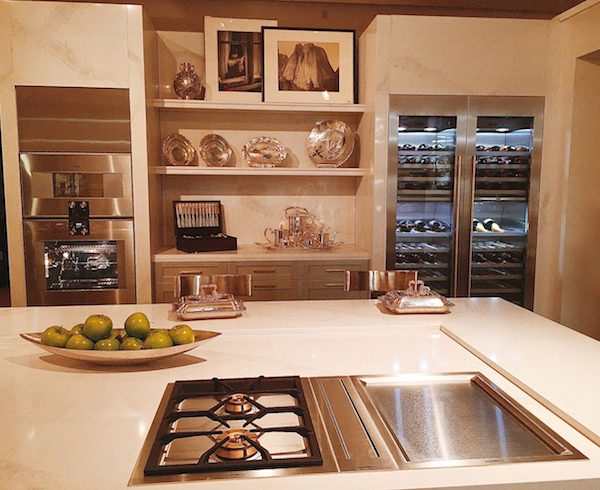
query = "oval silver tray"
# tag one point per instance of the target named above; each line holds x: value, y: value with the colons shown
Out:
x: 330, y: 144
x: 264, y: 152
x: 120, y: 357
x: 178, y: 150
x: 215, y: 150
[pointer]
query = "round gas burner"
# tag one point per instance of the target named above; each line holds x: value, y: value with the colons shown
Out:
x: 237, y: 444
x: 238, y: 403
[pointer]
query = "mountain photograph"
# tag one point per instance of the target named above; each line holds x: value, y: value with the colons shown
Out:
x: 308, y: 68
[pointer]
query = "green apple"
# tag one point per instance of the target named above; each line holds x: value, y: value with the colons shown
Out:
x: 118, y: 334
x: 97, y: 327
x: 137, y: 325
x: 182, y: 334
x: 80, y: 342
x: 107, y: 344
x: 77, y: 329
x: 131, y: 343
x: 55, y: 336
x: 158, y: 340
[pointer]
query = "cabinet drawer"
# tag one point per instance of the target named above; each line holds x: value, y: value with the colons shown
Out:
x: 164, y: 292
x: 331, y: 270
x: 266, y: 270
x: 264, y: 289
x: 166, y: 272
x: 334, y: 289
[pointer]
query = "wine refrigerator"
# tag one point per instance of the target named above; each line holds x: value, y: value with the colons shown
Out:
x: 463, y: 193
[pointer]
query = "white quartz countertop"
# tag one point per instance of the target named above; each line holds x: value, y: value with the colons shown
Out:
x: 70, y: 425
x: 259, y: 253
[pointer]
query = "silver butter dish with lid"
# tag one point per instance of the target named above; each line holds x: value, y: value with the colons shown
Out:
x: 208, y: 304
x: 418, y: 298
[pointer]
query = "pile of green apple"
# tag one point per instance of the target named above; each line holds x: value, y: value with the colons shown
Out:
x: 97, y: 333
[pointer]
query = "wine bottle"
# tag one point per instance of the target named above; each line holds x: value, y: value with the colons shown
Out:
x: 405, y: 226
x: 490, y: 225
x: 478, y: 226
x: 420, y: 225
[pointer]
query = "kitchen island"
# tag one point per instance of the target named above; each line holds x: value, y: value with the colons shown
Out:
x: 70, y: 425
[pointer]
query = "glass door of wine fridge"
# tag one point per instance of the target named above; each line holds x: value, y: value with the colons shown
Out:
x: 504, y: 183
x: 428, y: 148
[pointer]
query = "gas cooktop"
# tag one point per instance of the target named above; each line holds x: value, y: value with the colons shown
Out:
x: 282, y: 426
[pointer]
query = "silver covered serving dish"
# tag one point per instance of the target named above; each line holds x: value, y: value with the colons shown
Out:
x: 418, y: 298
x: 208, y: 304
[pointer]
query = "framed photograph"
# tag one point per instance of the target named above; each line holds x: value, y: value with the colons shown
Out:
x: 234, y: 58
x: 307, y: 65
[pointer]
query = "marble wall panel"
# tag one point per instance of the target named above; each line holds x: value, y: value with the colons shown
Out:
x: 470, y: 56
x: 70, y: 44
x: 253, y: 203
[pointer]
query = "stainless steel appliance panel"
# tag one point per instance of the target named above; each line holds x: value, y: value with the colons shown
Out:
x: 459, y: 419
x: 49, y: 181
x: 65, y: 269
x: 73, y: 119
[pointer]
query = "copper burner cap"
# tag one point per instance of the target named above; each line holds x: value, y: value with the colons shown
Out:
x: 237, y: 403
x: 237, y: 444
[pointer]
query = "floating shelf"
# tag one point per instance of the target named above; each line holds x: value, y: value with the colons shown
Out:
x: 263, y: 172
x: 199, y: 105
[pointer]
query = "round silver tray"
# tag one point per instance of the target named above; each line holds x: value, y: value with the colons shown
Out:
x: 330, y: 144
x: 264, y: 152
x: 215, y: 150
x: 178, y: 150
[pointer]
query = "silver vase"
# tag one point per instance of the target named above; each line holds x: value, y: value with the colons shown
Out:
x: 187, y: 84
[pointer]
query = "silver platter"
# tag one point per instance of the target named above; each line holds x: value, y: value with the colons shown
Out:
x: 178, y: 150
x: 330, y: 144
x: 264, y: 152
x: 215, y: 150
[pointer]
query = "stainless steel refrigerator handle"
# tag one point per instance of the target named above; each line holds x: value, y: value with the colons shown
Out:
x: 470, y: 257
x: 457, y: 192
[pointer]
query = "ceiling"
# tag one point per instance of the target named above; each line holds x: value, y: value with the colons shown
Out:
x: 508, y: 8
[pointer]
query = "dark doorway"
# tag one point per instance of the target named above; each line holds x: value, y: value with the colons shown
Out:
x: 4, y: 280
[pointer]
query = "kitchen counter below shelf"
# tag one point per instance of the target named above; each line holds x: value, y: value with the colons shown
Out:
x: 259, y: 253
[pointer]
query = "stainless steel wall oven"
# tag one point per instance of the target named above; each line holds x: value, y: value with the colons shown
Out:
x: 78, y: 228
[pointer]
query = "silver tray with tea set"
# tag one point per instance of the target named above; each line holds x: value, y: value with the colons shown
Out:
x: 299, y: 234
